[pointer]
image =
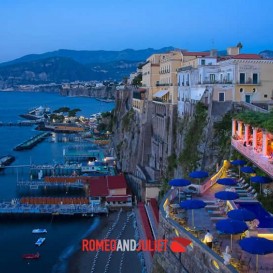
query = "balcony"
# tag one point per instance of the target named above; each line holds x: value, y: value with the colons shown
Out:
x: 216, y: 82
x: 156, y: 99
x: 257, y: 158
x: 249, y: 82
x: 164, y: 84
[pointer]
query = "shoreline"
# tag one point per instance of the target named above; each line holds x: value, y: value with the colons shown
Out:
x: 112, y: 226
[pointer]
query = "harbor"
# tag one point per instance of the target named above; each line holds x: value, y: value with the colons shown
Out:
x: 66, y: 223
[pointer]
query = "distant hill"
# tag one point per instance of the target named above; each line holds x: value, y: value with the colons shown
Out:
x: 92, y: 56
x: 70, y: 65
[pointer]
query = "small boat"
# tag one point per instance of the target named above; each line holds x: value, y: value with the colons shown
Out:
x: 39, y: 231
x: 40, y: 241
x: 31, y: 256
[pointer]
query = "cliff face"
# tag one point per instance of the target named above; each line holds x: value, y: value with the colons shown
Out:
x: 95, y: 92
x: 167, y: 146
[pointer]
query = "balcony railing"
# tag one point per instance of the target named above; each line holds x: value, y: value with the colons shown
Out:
x: 257, y: 158
x: 249, y: 82
x: 215, y: 82
x: 164, y: 84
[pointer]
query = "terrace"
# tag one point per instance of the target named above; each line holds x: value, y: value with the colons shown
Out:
x: 206, y: 218
x: 256, y: 144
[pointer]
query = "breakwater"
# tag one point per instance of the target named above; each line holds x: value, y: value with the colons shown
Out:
x: 30, y: 143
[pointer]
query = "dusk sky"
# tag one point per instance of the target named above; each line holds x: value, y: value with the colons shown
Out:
x: 38, y: 26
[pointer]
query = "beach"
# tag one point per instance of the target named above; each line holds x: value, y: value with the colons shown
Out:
x: 118, y: 225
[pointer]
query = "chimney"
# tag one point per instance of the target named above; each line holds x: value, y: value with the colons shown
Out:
x: 213, y: 53
x: 233, y: 50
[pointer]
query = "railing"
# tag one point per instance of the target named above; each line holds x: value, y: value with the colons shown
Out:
x: 253, y: 107
x: 164, y: 84
x: 249, y: 82
x: 253, y: 156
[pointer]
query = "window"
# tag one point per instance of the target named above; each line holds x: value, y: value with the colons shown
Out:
x: 242, y: 78
x: 255, y: 78
x: 203, y: 62
x: 228, y: 77
x: 221, y: 78
x: 265, y: 96
x: 212, y: 78
x: 221, y: 96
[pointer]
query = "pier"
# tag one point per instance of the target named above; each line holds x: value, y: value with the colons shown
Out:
x: 16, y: 208
x: 18, y: 123
x: 35, y: 185
x: 29, y: 144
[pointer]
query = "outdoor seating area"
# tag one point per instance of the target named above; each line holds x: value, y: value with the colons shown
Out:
x: 197, y: 219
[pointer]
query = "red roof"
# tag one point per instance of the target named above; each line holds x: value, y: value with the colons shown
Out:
x: 196, y: 53
x: 242, y: 57
x: 145, y: 223
x: 98, y: 187
x: 117, y: 198
x: 116, y: 182
x: 154, y: 205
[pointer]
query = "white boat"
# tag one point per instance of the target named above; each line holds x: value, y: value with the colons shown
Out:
x: 39, y: 230
x: 40, y: 241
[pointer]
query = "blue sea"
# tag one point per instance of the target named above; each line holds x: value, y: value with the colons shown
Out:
x: 64, y: 235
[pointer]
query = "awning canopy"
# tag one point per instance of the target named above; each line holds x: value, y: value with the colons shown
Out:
x: 161, y: 93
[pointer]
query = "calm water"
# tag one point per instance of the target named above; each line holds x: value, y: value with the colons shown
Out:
x: 64, y: 235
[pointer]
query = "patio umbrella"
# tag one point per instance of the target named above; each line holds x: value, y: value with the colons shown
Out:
x: 241, y: 215
x: 227, y: 181
x: 247, y: 169
x: 256, y: 245
x: 226, y: 195
x: 199, y: 175
x: 239, y: 163
x: 261, y: 180
x: 179, y: 182
x: 230, y: 226
x: 192, y: 204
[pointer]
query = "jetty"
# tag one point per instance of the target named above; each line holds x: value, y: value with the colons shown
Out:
x: 37, y: 184
x: 17, y: 123
x: 17, y: 208
x: 30, y: 143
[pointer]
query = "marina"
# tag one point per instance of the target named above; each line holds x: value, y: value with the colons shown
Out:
x: 63, y: 222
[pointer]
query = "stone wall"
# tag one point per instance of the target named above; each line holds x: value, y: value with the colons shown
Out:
x: 198, y: 257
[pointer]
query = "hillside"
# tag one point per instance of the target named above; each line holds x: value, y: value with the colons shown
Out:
x: 71, y: 65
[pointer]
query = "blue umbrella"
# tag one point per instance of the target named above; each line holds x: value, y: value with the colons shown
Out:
x: 241, y: 215
x: 239, y: 163
x: 230, y: 226
x: 227, y: 181
x: 192, y: 204
x: 261, y: 180
x: 247, y: 169
x: 256, y: 245
x: 199, y: 175
x: 226, y: 195
x: 179, y: 182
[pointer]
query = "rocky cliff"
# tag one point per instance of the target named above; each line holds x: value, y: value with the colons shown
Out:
x: 197, y: 141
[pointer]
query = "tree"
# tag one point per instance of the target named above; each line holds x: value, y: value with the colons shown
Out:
x: 240, y: 45
x: 137, y: 81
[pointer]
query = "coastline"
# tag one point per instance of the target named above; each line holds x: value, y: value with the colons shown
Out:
x: 83, y: 262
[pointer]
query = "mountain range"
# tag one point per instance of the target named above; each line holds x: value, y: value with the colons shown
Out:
x: 71, y: 65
